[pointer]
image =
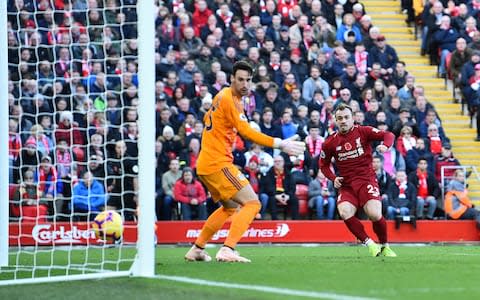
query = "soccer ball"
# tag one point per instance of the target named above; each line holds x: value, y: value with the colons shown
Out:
x: 108, y: 225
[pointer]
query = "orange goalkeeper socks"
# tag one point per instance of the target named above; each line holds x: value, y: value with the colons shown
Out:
x: 241, y: 221
x: 213, y: 224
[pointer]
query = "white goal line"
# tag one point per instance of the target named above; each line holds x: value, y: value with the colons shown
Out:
x: 264, y: 289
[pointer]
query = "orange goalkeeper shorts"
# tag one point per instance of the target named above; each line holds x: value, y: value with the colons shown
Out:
x: 224, y: 184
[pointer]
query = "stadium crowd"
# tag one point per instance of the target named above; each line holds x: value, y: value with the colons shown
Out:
x: 73, y: 97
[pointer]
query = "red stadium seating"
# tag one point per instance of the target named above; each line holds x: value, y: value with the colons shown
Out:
x: 301, y: 192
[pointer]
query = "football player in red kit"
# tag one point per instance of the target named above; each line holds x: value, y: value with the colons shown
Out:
x: 350, y: 148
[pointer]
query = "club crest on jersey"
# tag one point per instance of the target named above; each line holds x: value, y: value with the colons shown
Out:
x: 348, y: 146
x: 338, y: 148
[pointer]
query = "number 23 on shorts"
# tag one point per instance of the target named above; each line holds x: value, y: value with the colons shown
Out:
x: 373, y: 190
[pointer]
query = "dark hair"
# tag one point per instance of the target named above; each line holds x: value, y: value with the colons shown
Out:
x: 422, y: 158
x: 267, y: 109
x: 242, y: 65
x: 313, y: 126
x: 187, y: 169
x: 343, y: 106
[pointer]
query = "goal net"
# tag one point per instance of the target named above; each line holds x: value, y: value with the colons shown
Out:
x: 74, y: 148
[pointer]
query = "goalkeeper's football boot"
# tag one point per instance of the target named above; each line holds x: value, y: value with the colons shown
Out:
x: 374, y: 249
x: 387, y: 251
x: 197, y: 254
x: 226, y: 254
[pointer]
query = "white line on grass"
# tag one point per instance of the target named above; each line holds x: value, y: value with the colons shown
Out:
x: 466, y: 254
x: 262, y: 288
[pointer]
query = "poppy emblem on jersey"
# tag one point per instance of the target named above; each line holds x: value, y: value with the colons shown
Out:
x: 348, y: 146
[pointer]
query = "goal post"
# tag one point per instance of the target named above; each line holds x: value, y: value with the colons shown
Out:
x: 69, y: 259
x: 4, y: 165
x: 146, y: 146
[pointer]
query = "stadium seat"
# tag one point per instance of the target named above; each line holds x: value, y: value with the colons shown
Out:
x: 301, y: 192
x: 447, y: 67
x: 14, y: 208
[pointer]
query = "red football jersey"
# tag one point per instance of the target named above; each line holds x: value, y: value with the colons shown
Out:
x: 352, y: 153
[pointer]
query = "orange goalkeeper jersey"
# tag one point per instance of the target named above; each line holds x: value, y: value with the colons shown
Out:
x: 222, y: 122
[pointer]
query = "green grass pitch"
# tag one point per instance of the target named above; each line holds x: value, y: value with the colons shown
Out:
x: 331, y: 272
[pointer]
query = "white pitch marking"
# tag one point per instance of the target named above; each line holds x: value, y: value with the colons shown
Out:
x: 466, y: 254
x: 265, y: 289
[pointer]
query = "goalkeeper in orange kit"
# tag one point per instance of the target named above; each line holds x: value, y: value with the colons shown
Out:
x: 216, y: 170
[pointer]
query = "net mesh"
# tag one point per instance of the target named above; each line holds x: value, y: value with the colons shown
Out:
x: 73, y: 134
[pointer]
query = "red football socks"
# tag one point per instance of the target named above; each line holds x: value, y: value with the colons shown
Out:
x: 356, y: 228
x: 380, y: 228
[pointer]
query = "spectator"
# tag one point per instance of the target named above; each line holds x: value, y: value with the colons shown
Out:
x: 314, y: 142
x: 435, y: 141
x: 361, y: 58
x: 191, y: 195
x: 268, y: 126
x: 186, y: 129
x: 317, y: 101
x: 168, y: 181
x: 97, y: 146
x: 419, y: 111
x: 32, y: 206
x: 122, y: 182
x: 401, y: 196
x: 432, y: 118
x: 273, y: 102
x: 96, y: 166
x: 201, y: 15
x: 348, y: 26
x: 65, y: 167
x: 460, y: 56
x: 457, y: 202
x: 171, y: 142
x: 406, y: 141
x: 252, y: 173
x: 14, y: 147
x: 288, y: 127
x: 445, y: 38
x: 321, y: 194
x: 383, y: 54
x: 188, y: 157
x: 393, y: 161
x: 405, y: 119
x: 186, y: 74
x: 28, y: 159
x: 68, y: 131
x: 384, y: 180
x: 265, y: 160
x: 280, y: 188
x: 44, y: 144
x: 445, y: 159
x: 399, y: 75
x: 88, y: 196
x: 405, y: 93
x: 432, y: 16
x: 49, y: 185
x: 301, y: 118
x: 414, y: 154
x: 337, y: 18
x: 190, y: 43
x: 428, y: 190
x: 325, y: 117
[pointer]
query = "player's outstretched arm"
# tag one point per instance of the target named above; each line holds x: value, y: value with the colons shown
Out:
x: 291, y: 146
